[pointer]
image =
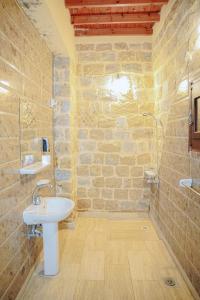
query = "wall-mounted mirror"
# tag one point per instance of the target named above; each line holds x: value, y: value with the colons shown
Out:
x: 35, y: 132
x: 194, y: 139
x: 197, y: 114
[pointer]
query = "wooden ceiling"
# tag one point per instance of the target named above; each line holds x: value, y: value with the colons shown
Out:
x: 114, y: 17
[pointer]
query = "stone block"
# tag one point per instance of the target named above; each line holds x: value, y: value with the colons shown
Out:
x: 111, y: 205
x: 132, y: 68
x: 142, y: 133
x: 147, y: 46
x: 127, y: 56
x: 98, y: 204
x: 135, y: 46
x: 109, y: 147
x: 107, y: 171
x: 98, y: 182
x: 86, y: 158
x: 84, y: 181
x: 104, y: 47
x: 108, y: 56
x: 126, y: 206
x: 62, y: 148
x: 98, y: 158
x: 62, y: 175
x: 61, y: 90
x: 138, y: 183
x: 108, y: 134
x: 113, y: 182
x: 136, y: 171
x: 135, y: 194
x: 106, y: 123
x: 87, y: 146
x: 84, y: 204
x: 88, y: 56
x: 107, y: 193
x: 127, y: 160
x: 84, y: 47
x: 62, y: 120
x: 97, y: 134
x: 81, y: 192
x: 64, y: 162
x: 93, y: 193
x: 121, y: 194
x: 144, y: 159
x: 83, y: 170
x: 129, y: 147
x: 95, y: 170
x: 112, y: 68
x: 112, y: 159
x: 83, y: 133
x: 144, y: 56
x: 93, y: 69
x: 122, y: 171
x: 121, y: 46
x: 61, y: 62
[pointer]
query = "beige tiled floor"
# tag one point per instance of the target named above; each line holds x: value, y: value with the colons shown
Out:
x: 112, y: 260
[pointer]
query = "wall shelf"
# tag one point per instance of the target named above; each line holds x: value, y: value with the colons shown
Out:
x: 34, y: 168
x: 150, y: 176
x: 187, y: 183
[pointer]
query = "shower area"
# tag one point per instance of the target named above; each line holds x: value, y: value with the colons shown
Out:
x: 117, y: 128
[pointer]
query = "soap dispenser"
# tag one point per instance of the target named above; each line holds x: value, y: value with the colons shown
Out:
x: 46, y: 158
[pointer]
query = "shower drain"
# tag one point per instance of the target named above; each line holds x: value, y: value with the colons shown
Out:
x: 170, y: 282
x: 145, y: 227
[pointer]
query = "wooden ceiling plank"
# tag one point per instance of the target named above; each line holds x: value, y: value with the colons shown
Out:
x: 115, y: 10
x: 114, y: 31
x: 116, y: 18
x: 108, y: 3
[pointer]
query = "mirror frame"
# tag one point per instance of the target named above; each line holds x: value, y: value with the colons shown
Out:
x: 194, y: 136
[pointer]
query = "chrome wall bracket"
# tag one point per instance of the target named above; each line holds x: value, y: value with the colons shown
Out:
x: 34, y: 231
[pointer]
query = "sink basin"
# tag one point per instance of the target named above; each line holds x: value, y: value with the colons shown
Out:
x: 51, y: 210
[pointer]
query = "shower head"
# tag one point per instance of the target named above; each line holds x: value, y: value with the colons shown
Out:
x: 145, y: 114
x: 148, y: 114
x: 157, y: 120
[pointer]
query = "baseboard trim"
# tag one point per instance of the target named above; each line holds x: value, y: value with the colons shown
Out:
x: 177, y: 263
x: 114, y: 215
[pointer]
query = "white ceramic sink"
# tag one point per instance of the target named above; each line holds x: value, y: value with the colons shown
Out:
x: 49, y: 213
x: 51, y: 210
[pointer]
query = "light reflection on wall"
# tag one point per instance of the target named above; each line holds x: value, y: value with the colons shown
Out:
x: 183, y: 87
x: 3, y: 89
x: 119, y: 87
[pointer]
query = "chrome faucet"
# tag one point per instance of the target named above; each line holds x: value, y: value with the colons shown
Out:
x: 40, y: 184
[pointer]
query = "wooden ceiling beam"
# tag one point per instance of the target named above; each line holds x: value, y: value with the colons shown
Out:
x: 108, y: 3
x: 113, y: 31
x: 154, y: 8
x: 116, y: 18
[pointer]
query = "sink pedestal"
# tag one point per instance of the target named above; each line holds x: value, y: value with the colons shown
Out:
x: 49, y: 212
x: 51, y: 249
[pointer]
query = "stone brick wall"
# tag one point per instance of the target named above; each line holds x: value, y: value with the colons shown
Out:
x: 65, y: 126
x: 175, y: 209
x: 25, y: 85
x: 115, y: 140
